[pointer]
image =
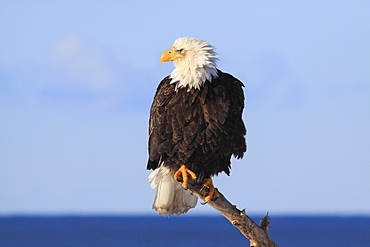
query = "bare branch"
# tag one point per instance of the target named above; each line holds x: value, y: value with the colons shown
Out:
x: 258, y: 235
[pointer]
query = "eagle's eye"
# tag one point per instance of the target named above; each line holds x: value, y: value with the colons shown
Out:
x: 181, y: 51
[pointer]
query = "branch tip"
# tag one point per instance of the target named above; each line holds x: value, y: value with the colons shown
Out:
x: 265, y: 223
x: 242, y: 212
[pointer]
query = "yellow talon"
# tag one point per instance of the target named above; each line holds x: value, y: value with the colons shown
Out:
x: 183, y: 174
x: 212, y: 193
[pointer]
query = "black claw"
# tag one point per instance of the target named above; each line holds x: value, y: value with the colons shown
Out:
x: 203, y: 188
x: 191, y: 182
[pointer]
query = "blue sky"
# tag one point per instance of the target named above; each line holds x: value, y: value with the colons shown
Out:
x: 77, y: 80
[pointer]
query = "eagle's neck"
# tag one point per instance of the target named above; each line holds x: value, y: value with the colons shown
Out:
x: 193, y: 73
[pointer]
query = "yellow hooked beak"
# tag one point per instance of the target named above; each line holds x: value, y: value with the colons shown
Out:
x: 170, y: 55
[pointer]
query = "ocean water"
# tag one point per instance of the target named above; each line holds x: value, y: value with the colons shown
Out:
x: 177, y: 231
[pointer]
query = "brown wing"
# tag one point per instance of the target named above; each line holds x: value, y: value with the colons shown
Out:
x: 158, y: 122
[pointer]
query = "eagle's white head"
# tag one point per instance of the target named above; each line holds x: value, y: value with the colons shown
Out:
x: 195, y: 61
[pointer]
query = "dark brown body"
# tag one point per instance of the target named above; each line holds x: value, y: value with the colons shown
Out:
x: 201, y: 128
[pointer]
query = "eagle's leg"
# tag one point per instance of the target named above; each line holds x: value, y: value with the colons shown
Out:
x: 212, y: 192
x: 183, y: 175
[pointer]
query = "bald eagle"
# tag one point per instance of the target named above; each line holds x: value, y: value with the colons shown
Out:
x: 195, y: 126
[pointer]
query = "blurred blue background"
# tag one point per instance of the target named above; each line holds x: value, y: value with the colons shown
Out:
x: 77, y: 79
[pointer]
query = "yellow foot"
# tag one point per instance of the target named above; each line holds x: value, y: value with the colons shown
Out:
x: 212, y: 193
x: 183, y: 175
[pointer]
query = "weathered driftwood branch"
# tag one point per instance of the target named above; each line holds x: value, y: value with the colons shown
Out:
x: 258, y: 235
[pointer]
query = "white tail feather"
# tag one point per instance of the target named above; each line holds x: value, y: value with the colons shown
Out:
x: 170, y: 198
